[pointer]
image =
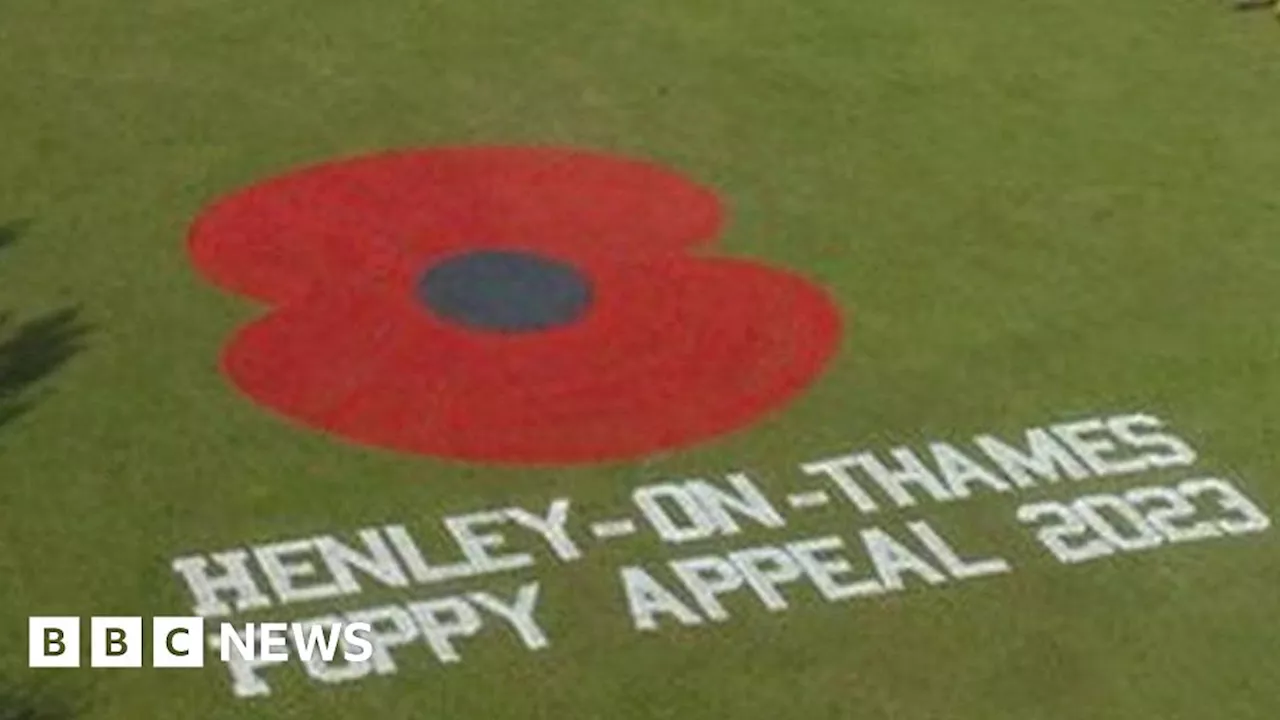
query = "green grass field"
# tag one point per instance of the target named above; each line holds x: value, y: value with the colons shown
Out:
x: 1028, y: 213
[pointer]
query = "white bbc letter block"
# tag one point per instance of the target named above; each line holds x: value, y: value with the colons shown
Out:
x: 115, y: 642
x: 177, y: 642
x: 54, y: 642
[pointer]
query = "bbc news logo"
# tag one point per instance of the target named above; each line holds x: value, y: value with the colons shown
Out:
x: 179, y: 642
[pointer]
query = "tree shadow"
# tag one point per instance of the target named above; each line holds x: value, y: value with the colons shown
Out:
x: 10, y: 231
x: 34, y: 349
x: 33, y: 702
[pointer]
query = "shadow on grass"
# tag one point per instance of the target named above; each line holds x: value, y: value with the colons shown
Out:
x: 10, y: 231
x: 31, y: 702
x: 33, y: 349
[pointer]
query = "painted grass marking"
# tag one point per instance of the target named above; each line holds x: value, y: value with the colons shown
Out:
x: 804, y: 500
x: 607, y: 529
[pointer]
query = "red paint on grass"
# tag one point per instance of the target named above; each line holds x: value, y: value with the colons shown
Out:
x: 676, y: 348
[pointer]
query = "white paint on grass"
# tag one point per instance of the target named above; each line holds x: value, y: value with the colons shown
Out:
x: 712, y: 588
x: 1100, y: 525
x: 327, y: 567
x: 944, y: 472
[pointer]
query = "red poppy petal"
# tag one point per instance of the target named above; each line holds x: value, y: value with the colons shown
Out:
x: 675, y: 350
x: 330, y: 223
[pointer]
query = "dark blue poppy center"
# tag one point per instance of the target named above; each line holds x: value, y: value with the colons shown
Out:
x: 505, y: 291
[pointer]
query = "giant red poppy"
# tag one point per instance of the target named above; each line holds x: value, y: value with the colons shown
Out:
x: 516, y: 305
